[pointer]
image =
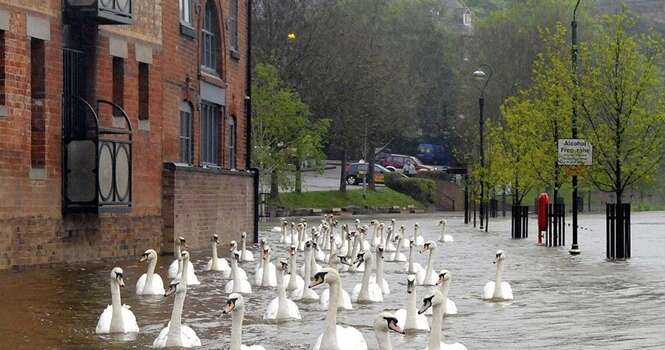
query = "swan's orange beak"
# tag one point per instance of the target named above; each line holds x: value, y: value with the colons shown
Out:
x: 229, y: 307
x: 392, y: 325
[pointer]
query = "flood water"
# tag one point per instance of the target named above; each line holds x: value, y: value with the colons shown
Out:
x: 561, y: 301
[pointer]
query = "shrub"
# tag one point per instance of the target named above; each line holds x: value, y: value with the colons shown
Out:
x: 420, y: 189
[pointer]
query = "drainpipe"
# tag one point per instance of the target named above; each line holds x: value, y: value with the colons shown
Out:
x: 248, y: 121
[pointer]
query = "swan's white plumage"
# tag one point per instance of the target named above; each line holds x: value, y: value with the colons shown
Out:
x: 348, y: 338
x: 188, y: 338
x: 373, y: 289
x: 454, y: 346
x: 506, y: 292
x: 249, y: 256
x: 451, y: 308
x: 244, y: 288
x: 423, y: 280
x: 155, y: 288
x: 385, y: 288
x: 272, y: 276
x: 223, y: 266
x: 421, y: 320
x: 129, y: 321
x: 396, y: 257
x: 272, y: 311
x: 416, y: 267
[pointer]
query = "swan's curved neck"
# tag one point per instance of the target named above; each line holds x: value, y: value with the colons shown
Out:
x: 183, y: 277
x: 411, y: 259
x: 293, y: 271
x: 445, y: 288
x: 214, y: 252
x: 364, y: 287
x: 349, y: 250
x: 152, y: 263
x: 411, y: 311
x: 443, y: 230
x: 236, y: 328
x: 177, y: 252
x: 499, y: 275
x: 399, y: 246
x: 176, y: 314
x: 379, y: 270
x: 265, y: 281
x: 383, y: 340
x: 234, y: 272
x: 179, y: 257
x: 281, y: 291
x: 243, y: 244
x: 308, y: 268
x: 329, y: 338
x: 116, y: 305
x: 435, y: 335
x: 332, y: 258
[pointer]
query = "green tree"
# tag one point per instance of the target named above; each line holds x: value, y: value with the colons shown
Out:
x: 622, y: 104
x: 283, y: 133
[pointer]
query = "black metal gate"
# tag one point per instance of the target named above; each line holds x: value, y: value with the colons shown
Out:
x: 556, y: 225
x: 520, y: 221
x: 618, y: 231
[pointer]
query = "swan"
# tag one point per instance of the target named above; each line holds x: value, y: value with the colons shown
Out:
x: 427, y: 277
x: 331, y: 257
x: 306, y: 294
x: 150, y: 283
x: 215, y: 263
x: 245, y: 255
x: 233, y: 248
x: 300, y: 242
x: 378, y: 279
x: 445, y: 237
x: 402, y: 232
x: 412, y: 267
x: 284, y: 237
x: 282, y: 308
x: 388, y: 244
x: 449, y: 308
x: 504, y: 292
x: 436, y: 301
x: 420, y: 241
x: 175, y: 333
x: 343, y: 304
x: 262, y: 243
x: 359, y: 245
x: 117, y: 318
x: 294, y: 283
x: 397, y: 255
x: 319, y: 255
x: 335, y: 337
x: 310, y: 248
x: 409, y: 319
x: 366, y: 291
x: 237, y: 284
x: 235, y: 306
x: 266, y: 276
x: 175, y: 267
x: 382, y: 324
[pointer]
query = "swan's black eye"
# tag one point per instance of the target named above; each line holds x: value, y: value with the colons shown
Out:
x: 231, y: 301
x: 320, y: 276
x: 390, y: 320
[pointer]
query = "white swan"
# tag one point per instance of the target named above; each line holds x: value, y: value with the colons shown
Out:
x: 117, y: 318
x: 233, y: 248
x: 445, y: 237
x: 281, y: 308
x: 427, y: 277
x: 402, y: 232
x: 235, y: 306
x: 175, y: 333
x: 345, y: 299
x: 266, y: 276
x: 436, y: 301
x: 359, y: 245
x: 388, y: 243
x: 237, y: 284
x: 245, y: 255
x: 335, y: 337
x: 367, y: 291
x: 294, y: 283
x: 284, y: 237
x: 378, y: 279
x: 412, y: 267
x: 306, y: 293
x: 409, y: 319
x: 382, y: 324
x: 176, y: 265
x: 397, y: 255
x: 150, y: 283
x: 449, y: 308
x: 504, y: 292
x: 216, y: 263
x: 309, y: 249
x: 420, y: 241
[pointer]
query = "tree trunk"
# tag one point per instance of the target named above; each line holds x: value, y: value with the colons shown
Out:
x: 298, y: 188
x: 274, y: 185
x: 342, y: 175
x: 370, y: 169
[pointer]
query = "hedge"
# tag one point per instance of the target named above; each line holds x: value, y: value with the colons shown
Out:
x: 420, y: 189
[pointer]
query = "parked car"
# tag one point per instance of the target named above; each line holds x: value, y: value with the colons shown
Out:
x: 357, y: 172
x: 396, y: 162
x: 433, y: 154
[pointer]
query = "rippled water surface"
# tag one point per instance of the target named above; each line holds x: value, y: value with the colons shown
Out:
x: 561, y: 302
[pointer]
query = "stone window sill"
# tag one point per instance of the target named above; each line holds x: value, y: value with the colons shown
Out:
x: 3, y: 111
x: 37, y: 174
x: 187, y: 30
x: 235, y: 54
x: 144, y: 124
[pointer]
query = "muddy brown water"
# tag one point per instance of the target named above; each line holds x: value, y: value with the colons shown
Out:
x: 561, y: 301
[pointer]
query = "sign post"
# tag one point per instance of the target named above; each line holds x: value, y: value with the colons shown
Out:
x: 574, y: 154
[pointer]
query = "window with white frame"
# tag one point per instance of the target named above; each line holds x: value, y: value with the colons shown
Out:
x: 231, y: 137
x: 210, y: 38
x: 186, y: 12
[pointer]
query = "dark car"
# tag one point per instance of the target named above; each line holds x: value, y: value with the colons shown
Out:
x: 433, y: 154
x: 397, y: 162
x: 357, y: 172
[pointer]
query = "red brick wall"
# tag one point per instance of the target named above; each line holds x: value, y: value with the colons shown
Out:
x: 201, y: 202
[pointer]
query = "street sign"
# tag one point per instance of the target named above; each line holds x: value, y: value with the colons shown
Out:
x: 575, y: 152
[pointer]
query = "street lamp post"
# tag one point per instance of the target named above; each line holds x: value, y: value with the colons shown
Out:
x: 574, y: 249
x: 484, y: 74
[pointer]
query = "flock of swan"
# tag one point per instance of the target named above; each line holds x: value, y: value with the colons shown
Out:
x: 351, y: 249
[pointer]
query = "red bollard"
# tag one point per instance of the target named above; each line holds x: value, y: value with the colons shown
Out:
x: 543, y: 202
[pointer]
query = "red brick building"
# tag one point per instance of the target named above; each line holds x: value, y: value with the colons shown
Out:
x: 123, y: 124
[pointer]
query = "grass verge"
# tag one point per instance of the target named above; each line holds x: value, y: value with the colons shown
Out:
x: 382, y: 198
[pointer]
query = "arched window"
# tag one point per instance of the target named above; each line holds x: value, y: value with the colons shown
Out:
x: 210, y: 38
x: 185, y: 132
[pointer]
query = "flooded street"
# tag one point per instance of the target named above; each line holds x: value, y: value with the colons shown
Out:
x: 561, y: 301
